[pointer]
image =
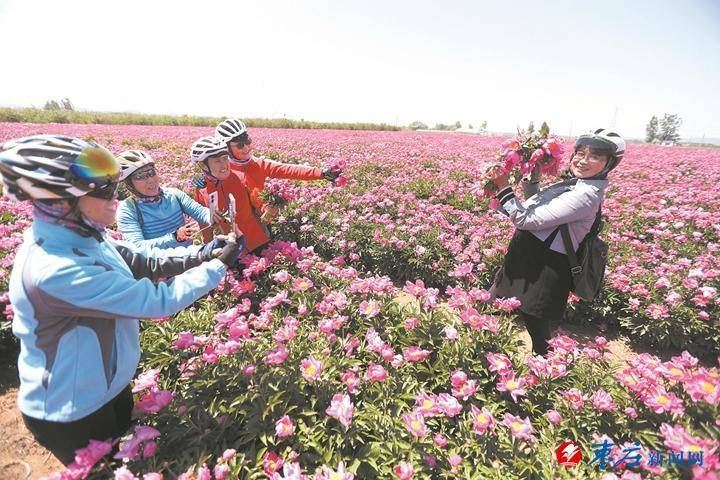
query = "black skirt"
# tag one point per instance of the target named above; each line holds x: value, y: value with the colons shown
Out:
x: 537, y: 276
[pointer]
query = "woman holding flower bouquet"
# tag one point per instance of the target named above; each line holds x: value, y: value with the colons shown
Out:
x: 536, y: 268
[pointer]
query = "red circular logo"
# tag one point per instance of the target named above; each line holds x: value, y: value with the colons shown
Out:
x: 568, y: 454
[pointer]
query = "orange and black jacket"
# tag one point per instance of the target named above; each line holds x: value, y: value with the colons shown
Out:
x: 247, y: 216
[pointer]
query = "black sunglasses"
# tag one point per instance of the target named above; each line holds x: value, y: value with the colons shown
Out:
x: 241, y: 140
x: 108, y: 192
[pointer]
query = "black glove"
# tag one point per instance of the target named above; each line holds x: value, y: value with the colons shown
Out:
x: 330, y: 175
x: 205, y: 253
x: 231, y: 252
x: 198, y: 181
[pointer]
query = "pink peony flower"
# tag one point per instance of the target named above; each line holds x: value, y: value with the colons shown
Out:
x: 281, y: 276
x: 411, y: 323
x: 123, y: 473
x: 404, y: 471
x: 415, y: 424
x: 602, y: 401
x: 342, y: 409
x: 553, y: 417
x: 369, y: 309
x: 277, y: 356
x: 426, y: 405
x: 311, y: 368
x: 703, y: 386
x: 454, y: 460
x: 499, y: 363
x: 272, y: 463
x: 661, y: 401
x: 375, y: 373
x: 448, y: 405
x: 519, y: 428
x: 184, y: 340
x: 329, y: 474
x: 221, y: 471
x: 146, y: 381
x: 415, y: 354
x: 152, y: 402
x: 508, y: 383
x: 302, y: 284
x: 284, y: 427
x: 450, y: 333
x: 575, y: 397
x: 483, y: 420
x: 130, y: 448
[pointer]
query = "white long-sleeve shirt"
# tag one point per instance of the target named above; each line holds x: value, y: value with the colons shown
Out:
x: 547, y: 208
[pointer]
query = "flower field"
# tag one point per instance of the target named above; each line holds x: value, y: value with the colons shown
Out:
x: 363, y: 344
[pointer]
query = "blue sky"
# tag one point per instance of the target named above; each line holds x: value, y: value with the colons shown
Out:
x: 576, y: 64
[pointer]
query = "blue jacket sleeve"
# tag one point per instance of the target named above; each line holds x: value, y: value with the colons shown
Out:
x: 192, y: 208
x: 568, y: 207
x: 129, y: 226
x: 92, y: 290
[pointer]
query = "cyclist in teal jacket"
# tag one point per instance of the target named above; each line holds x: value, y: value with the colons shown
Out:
x: 77, y: 294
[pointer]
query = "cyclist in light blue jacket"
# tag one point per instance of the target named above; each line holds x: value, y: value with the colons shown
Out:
x: 154, y: 216
x: 77, y: 295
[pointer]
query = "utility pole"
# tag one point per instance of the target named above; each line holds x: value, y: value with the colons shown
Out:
x: 612, y: 124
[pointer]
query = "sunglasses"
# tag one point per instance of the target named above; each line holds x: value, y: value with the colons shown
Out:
x: 108, y: 192
x: 241, y: 141
x: 94, y: 168
x: 144, y: 174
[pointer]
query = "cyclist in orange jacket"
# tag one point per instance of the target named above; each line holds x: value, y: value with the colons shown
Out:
x: 254, y: 171
x: 212, y: 157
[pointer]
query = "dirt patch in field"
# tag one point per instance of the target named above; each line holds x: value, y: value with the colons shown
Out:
x: 21, y: 457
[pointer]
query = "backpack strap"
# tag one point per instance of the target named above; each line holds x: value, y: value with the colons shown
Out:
x: 182, y: 209
x: 137, y: 210
x: 575, y: 267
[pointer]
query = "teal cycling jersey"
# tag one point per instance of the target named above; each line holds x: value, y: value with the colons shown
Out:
x: 154, y: 224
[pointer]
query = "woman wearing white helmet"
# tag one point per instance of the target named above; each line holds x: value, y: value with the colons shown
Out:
x: 77, y: 294
x: 254, y: 171
x: 211, y: 155
x: 152, y: 215
x: 536, y: 269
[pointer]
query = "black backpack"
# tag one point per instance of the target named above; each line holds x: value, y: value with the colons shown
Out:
x: 587, y: 265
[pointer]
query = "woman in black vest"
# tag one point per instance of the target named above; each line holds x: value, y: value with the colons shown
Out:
x: 536, y: 269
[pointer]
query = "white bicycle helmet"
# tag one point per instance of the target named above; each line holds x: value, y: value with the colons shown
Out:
x: 206, y: 147
x: 132, y: 160
x: 605, y: 142
x: 229, y: 129
x: 53, y: 167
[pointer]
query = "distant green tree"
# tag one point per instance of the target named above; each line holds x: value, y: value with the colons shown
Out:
x: 669, y: 128
x: 651, y: 131
x: 55, y: 106
x: 544, y: 130
x: 531, y: 127
x: 52, y: 105
x: 417, y: 125
x: 67, y: 104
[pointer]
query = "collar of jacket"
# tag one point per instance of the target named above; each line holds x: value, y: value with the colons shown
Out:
x: 54, y: 234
